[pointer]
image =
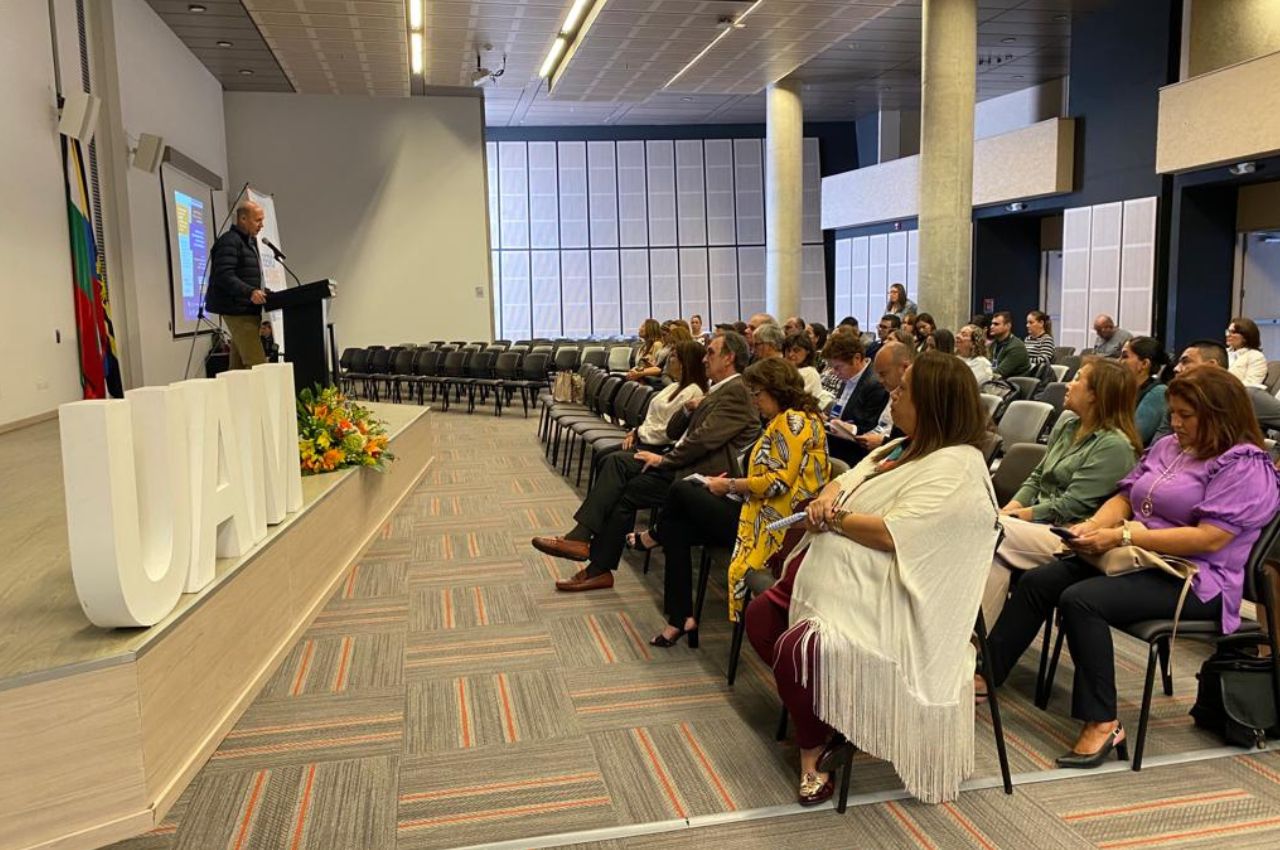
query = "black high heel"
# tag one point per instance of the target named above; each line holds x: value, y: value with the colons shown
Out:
x: 636, y: 543
x: 837, y: 751
x: 1088, y: 761
x: 666, y: 642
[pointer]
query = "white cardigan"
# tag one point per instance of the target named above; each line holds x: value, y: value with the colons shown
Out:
x: 1249, y: 365
x: 662, y: 407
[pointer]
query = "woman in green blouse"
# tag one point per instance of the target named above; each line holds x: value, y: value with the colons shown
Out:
x: 1088, y: 455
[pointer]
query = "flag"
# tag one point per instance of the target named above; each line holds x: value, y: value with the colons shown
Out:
x: 99, y: 362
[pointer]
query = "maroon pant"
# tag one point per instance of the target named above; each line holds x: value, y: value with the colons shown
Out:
x: 781, y: 646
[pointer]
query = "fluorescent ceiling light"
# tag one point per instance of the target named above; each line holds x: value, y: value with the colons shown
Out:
x: 576, y: 12
x: 415, y: 52
x: 415, y: 14
x: 728, y: 28
x: 557, y: 50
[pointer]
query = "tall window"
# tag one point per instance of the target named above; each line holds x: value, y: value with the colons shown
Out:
x: 591, y: 238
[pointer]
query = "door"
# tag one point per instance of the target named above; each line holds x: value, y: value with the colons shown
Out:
x: 1259, y: 297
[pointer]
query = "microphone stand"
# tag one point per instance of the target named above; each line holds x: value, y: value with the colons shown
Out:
x: 201, y: 318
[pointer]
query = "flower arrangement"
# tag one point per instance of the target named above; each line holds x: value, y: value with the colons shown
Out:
x: 334, y: 433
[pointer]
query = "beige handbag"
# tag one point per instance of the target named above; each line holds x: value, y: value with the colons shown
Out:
x: 1123, y: 560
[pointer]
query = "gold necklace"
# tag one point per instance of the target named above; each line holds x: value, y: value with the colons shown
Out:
x: 1146, y: 507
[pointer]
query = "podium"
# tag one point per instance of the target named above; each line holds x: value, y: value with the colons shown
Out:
x: 306, y: 311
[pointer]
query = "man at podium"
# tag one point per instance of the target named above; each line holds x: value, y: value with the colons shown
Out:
x: 235, y: 285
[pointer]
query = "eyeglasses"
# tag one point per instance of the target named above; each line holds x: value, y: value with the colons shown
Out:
x: 1232, y: 331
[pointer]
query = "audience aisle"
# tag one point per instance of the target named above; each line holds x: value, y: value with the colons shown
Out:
x: 448, y: 696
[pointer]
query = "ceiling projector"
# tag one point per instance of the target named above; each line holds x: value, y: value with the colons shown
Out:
x: 483, y: 76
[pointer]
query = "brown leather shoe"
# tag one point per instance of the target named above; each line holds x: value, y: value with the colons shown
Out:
x: 577, y: 585
x: 558, y: 547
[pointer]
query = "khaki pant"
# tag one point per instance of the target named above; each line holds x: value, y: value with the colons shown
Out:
x: 1026, y: 545
x: 246, y: 345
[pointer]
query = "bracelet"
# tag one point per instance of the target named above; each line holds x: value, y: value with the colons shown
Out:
x: 733, y: 485
x: 1126, y: 536
x: 838, y: 517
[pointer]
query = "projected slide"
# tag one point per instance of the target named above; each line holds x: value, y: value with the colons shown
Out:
x: 193, y: 248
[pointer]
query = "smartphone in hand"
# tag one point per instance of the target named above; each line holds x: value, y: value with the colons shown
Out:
x: 1064, y: 533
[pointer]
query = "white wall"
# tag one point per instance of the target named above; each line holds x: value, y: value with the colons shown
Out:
x: 387, y: 197
x: 36, y: 295
x: 162, y: 89
x: 1020, y: 109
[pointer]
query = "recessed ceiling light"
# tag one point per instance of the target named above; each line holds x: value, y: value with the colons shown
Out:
x: 1017, y: 76
x: 886, y: 88
x: 246, y: 72
x: 225, y: 44
x: 1008, y: 40
x: 197, y: 8
x: 1061, y: 18
x: 687, y: 99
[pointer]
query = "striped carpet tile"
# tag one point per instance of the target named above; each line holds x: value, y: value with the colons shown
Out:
x: 484, y: 650
x: 432, y: 609
x: 374, y: 578
x: 313, y: 728
x: 613, y: 697
x: 472, y: 543
x: 454, y: 799
x: 481, y: 710
x: 339, y: 664
x: 442, y: 574
x: 382, y: 614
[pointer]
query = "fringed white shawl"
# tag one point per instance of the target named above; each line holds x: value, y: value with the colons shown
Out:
x: 895, y: 666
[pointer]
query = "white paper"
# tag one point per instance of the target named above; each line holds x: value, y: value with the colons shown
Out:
x: 785, y: 522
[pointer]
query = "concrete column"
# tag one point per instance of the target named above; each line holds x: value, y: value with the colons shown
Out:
x: 947, y: 93
x: 783, y: 199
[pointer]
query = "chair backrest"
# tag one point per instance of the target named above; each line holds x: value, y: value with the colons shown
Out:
x: 1054, y: 393
x: 622, y: 401
x: 380, y: 361
x: 991, y: 447
x: 619, y: 358
x: 991, y: 403
x: 403, y: 362
x: 344, y: 362
x: 507, y: 366
x: 359, y: 360
x: 1026, y: 386
x: 455, y: 364
x: 566, y: 358
x: 1062, y: 352
x: 1013, y: 470
x: 426, y: 362
x: 595, y: 355
x: 505, y: 343
x: 534, y: 366
x: 1272, y: 381
x: 481, y: 364
x: 1059, y: 371
x: 542, y: 349
x: 838, y: 466
x: 525, y: 342
x: 519, y: 349
x: 438, y: 342
x: 1073, y: 365
x: 459, y: 343
x: 1023, y: 421
x: 633, y: 417
x: 609, y: 387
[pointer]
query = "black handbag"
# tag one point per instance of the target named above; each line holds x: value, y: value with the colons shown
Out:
x: 1236, y: 698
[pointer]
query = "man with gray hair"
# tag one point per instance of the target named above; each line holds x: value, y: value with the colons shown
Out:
x: 767, y: 342
x: 235, y: 284
x: 710, y: 437
x: 1110, y: 339
x: 756, y: 320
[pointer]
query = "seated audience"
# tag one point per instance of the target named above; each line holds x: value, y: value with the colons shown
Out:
x: 1088, y: 454
x: 849, y: 322
x: 888, y: 324
x: 721, y: 426
x: 982, y: 320
x: 688, y: 376
x: 941, y: 340
x: 1109, y: 339
x: 267, y: 335
x: 741, y: 328
x: 1211, y: 353
x: 831, y: 382
x: 971, y: 347
x: 899, y: 304
x: 1244, y: 352
x: 787, y: 465
x: 1039, y: 342
x: 890, y: 364
x: 756, y: 321
x: 909, y: 325
x: 798, y: 350
x: 859, y: 401
x: 767, y: 342
x: 817, y: 334
x: 648, y: 359
x: 925, y: 326
x: 868, y: 629
x: 1201, y: 494
x: 1008, y: 353
x: 793, y: 324
x: 1146, y: 358
x: 695, y: 329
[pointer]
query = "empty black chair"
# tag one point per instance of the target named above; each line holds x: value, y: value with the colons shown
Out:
x: 363, y: 369
x: 479, y: 369
x: 401, y: 370
x: 566, y: 358
x: 596, y: 355
x: 347, y: 364
x: 533, y: 377
x: 453, y: 373
x: 506, y: 368
x: 426, y: 372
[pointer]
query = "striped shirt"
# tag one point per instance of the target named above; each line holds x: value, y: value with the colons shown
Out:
x: 1040, y: 349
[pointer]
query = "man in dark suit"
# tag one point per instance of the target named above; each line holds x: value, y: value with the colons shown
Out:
x: 888, y: 324
x: 861, y: 400
x: 235, y: 285
x: 710, y: 438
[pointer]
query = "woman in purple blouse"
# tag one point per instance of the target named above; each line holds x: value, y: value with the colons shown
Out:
x: 1203, y: 493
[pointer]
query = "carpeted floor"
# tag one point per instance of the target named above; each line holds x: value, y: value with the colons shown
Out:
x: 448, y: 696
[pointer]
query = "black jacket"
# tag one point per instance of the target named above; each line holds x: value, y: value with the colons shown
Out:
x: 235, y: 271
x: 863, y: 410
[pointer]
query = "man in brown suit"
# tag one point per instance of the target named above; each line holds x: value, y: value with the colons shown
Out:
x: 711, y: 439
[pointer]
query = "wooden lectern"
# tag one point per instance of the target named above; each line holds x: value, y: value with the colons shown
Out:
x: 305, y: 317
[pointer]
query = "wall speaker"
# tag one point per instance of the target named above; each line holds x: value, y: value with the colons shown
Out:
x: 149, y: 152
x: 79, y: 116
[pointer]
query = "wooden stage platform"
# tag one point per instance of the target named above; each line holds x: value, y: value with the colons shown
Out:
x: 101, y: 730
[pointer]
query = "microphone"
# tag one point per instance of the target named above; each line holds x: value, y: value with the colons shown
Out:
x: 274, y: 250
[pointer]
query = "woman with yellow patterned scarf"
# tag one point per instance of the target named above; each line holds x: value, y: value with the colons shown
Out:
x: 785, y: 467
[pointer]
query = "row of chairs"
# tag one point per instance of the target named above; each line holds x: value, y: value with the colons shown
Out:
x: 610, y: 407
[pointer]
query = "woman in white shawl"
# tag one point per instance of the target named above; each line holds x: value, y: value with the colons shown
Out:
x: 868, y: 629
